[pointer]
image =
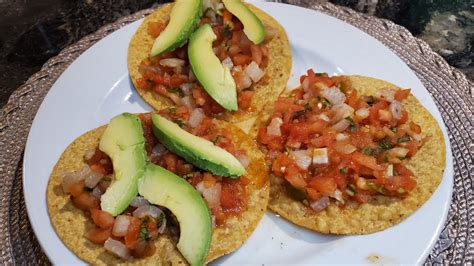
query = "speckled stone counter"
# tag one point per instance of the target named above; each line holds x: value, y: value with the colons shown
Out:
x: 32, y: 31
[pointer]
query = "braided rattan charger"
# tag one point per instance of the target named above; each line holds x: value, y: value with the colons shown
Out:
x: 451, y: 90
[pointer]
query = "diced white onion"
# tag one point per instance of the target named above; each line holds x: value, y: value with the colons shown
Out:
x: 273, y: 128
x: 386, y: 94
x: 96, y: 192
x: 227, y: 62
x: 341, y: 125
x: 172, y: 62
x: 139, y: 201
x: 362, y: 183
x: 396, y: 109
x: 188, y: 101
x: 320, y: 156
x: 333, y: 95
x: 89, y: 154
x: 337, y: 195
x: 244, y: 81
x: 175, y: 98
x: 362, y: 113
x: 324, y: 117
x: 344, y: 147
x: 121, y: 225
x: 196, y: 117
x: 341, y: 136
x: 389, y: 171
x: 70, y: 178
x: 211, y: 14
x: 341, y: 111
x: 254, y: 72
x: 243, y: 159
x: 147, y: 210
x: 398, y: 152
x: 117, y: 248
x: 211, y: 194
x: 302, y: 158
x: 320, y: 204
x: 206, y: 4
x: 186, y: 88
x: 93, y: 179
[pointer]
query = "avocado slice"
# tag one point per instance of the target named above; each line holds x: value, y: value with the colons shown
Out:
x: 164, y: 188
x: 214, y: 77
x: 198, y: 151
x: 124, y: 143
x: 184, y: 18
x: 253, y: 26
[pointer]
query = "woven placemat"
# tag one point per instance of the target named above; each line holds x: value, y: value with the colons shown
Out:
x: 452, y: 91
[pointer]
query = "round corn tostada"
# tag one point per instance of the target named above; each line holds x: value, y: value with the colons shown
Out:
x: 333, y: 206
x: 72, y: 224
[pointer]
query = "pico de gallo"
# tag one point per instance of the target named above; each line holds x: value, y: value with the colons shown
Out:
x: 131, y: 233
x: 329, y: 144
x: 170, y: 74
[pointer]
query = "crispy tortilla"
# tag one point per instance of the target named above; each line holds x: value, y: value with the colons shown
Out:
x: 278, y: 69
x: 427, y: 166
x: 71, y: 224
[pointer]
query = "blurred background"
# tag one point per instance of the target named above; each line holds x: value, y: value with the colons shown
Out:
x: 32, y: 31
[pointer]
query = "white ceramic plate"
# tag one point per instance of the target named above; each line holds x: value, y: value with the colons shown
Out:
x: 96, y: 87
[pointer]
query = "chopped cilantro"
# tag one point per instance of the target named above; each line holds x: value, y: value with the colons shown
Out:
x: 174, y: 90
x: 216, y: 139
x: 344, y: 170
x: 401, y: 190
x: 143, y: 231
x: 352, y: 125
x: 404, y: 138
x: 367, y: 150
x: 307, y: 107
x: 180, y: 123
x: 402, y: 157
x: 376, y: 187
x: 385, y: 158
x: 325, y: 102
x: 227, y: 32
x: 173, y: 110
x: 160, y: 219
x: 385, y: 144
x: 351, y: 190
x: 394, y: 129
x: 287, y: 149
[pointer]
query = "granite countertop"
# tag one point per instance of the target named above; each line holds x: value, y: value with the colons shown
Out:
x: 32, y: 31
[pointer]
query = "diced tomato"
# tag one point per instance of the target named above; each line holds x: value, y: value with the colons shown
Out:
x: 208, y: 179
x: 155, y: 28
x: 272, y: 142
x: 361, y: 139
x: 102, y: 219
x: 227, y: 17
x: 323, y: 184
x: 294, y: 177
x: 352, y: 100
x: 77, y: 188
x: 170, y: 161
x: 232, y: 195
x: 313, y: 194
x: 257, y: 54
x: 132, y: 233
x: 401, y: 95
x: 244, y: 99
x: 99, y: 168
x: 367, y: 161
x: 415, y: 128
x: 374, y: 112
x: 362, y: 196
x: 150, y: 140
x: 96, y: 157
x: 241, y: 59
x: 403, y: 119
x: 98, y: 236
x: 412, y: 147
x: 85, y: 201
x: 323, y: 141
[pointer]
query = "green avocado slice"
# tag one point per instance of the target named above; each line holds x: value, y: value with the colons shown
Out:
x: 198, y: 151
x: 213, y: 76
x: 184, y: 18
x: 164, y: 188
x: 253, y: 26
x: 124, y: 143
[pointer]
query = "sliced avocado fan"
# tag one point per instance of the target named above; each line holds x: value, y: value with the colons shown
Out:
x: 124, y: 143
x: 184, y: 18
x: 253, y: 26
x: 198, y: 151
x: 208, y: 69
x: 164, y: 188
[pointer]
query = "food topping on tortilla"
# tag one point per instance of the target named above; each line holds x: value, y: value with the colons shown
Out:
x: 330, y: 144
x: 131, y: 232
x: 171, y: 76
